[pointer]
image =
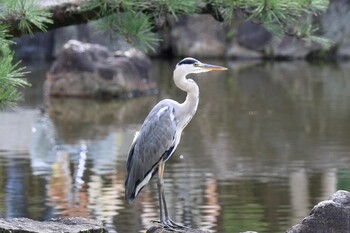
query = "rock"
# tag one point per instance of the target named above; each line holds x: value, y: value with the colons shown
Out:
x: 253, y: 41
x: 202, y: 36
x: 197, y: 36
x: 335, y: 26
x: 332, y: 215
x: 68, y: 225
x: 249, y: 40
x: 237, y: 51
x: 290, y: 47
x: 87, y: 33
x: 252, y: 36
x: 45, y: 46
x: 34, y: 47
x: 91, y: 70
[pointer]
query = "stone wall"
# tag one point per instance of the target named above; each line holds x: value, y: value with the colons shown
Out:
x: 202, y: 36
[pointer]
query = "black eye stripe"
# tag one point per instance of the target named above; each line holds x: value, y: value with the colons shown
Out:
x: 187, y: 61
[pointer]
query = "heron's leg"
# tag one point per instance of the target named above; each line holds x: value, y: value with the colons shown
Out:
x: 168, y: 220
x: 165, y: 207
x: 165, y: 220
x: 160, y: 190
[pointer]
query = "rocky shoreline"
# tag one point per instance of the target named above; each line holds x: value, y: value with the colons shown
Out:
x: 332, y: 215
x: 202, y: 36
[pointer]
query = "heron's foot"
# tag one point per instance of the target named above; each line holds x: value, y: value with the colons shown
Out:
x: 174, y: 224
x: 171, y: 225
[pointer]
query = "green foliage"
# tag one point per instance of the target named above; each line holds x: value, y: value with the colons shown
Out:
x: 126, y: 18
x: 177, y: 7
x: 27, y: 13
x: 133, y: 18
x: 137, y: 30
x: 135, y: 27
x: 10, y: 78
x: 280, y: 17
x: 3, y: 34
x: 107, y: 7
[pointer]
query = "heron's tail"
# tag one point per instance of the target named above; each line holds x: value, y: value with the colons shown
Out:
x: 133, y: 185
x: 129, y: 191
x: 137, y: 176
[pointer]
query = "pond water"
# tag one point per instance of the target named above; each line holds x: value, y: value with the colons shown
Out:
x: 268, y: 142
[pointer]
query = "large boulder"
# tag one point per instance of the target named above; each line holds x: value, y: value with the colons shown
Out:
x: 87, y: 33
x: 68, y: 225
x: 335, y: 26
x: 249, y: 41
x: 203, y: 36
x: 91, y: 70
x: 252, y: 40
x: 197, y: 36
x: 332, y: 215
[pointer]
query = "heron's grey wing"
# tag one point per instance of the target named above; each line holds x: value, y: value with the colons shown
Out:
x: 155, y: 141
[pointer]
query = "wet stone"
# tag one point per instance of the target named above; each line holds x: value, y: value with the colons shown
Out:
x: 68, y: 225
x: 92, y: 71
x: 331, y: 215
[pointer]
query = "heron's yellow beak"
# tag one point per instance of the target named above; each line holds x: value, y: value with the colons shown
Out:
x: 211, y: 67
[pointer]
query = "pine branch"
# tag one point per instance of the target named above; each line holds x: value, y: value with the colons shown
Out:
x: 3, y: 35
x: 84, y: 11
x: 278, y: 16
x: 10, y: 78
x: 24, y: 15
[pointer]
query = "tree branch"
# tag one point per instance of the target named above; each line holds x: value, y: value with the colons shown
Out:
x: 69, y: 12
x: 63, y: 14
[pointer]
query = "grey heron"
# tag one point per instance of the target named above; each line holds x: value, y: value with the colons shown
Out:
x: 160, y: 134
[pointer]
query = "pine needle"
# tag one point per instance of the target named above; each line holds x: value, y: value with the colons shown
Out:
x: 11, y: 78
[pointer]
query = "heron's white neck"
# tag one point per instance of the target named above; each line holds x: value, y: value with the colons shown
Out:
x: 189, y: 106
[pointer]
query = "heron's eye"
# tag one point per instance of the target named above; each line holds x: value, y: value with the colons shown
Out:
x: 196, y: 64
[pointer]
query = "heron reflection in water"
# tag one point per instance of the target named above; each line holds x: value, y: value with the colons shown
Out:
x: 160, y: 134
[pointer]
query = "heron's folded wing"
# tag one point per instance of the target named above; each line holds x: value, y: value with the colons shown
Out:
x: 155, y: 139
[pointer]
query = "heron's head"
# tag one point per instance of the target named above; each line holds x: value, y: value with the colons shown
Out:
x: 190, y: 65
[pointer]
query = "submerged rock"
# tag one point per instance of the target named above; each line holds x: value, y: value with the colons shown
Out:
x: 68, y: 225
x: 332, y: 215
x: 91, y: 70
